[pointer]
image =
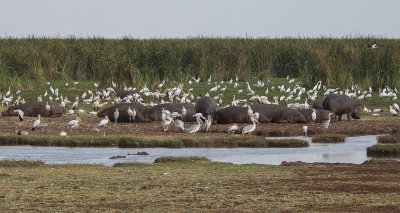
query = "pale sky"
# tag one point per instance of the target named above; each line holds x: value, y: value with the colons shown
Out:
x: 191, y: 18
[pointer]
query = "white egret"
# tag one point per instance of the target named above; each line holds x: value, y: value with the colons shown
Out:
x: 208, y: 123
x: 63, y: 134
x: 132, y: 114
x: 305, y: 128
x: 314, y: 115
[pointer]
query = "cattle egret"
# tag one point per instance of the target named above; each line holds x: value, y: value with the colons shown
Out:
x: 116, y: 115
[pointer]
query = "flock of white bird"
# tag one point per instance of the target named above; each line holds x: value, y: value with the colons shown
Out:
x: 291, y: 94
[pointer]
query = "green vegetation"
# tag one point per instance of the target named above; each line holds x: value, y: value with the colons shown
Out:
x: 287, y: 143
x: 180, y: 159
x: 328, y: 138
x: 200, y: 186
x: 382, y: 149
x: 20, y: 163
x: 149, y: 141
x: 337, y: 62
x: 389, y: 139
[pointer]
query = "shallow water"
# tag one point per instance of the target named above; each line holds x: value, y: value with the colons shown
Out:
x: 354, y: 150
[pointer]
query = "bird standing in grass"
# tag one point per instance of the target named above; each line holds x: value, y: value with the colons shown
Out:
x: 326, y: 124
x: 62, y: 133
x: 20, y: 114
x: 116, y: 115
x: 36, y: 123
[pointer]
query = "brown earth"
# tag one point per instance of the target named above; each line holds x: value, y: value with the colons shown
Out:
x: 53, y: 126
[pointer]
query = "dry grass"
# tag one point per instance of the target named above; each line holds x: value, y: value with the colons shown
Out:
x: 199, y: 186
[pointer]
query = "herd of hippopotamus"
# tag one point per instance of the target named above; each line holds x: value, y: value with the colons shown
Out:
x: 268, y: 113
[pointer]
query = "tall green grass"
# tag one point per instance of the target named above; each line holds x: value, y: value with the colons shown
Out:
x: 337, y: 62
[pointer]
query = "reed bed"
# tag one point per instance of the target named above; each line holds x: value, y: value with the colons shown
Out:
x: 337, y: 62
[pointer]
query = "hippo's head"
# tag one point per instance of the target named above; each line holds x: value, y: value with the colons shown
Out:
x: 356, y: 112
x: 300, y: 118
x: 9, y: 112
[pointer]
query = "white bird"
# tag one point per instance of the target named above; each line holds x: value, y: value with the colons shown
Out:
x: 71, y: 111
x: 372, y: 46
x: 8, y: 92
x: 166, y: 122
x: 116, y: 115
x: 63, y: 134
x: 180, y: 124
x: 195, y: 128
x: 326, y: 124
x: 96, y: 85
x: 249, y: 111
x: 250, y: 128
x: 314, y: 115
x: 20, y: 114
x: 36, y: 123
x: 47, y: 106
x: 132, y: 114
x: 233, y: 128
x: 396, y: 107
x: 103, y: 122
x: 392, y: 111
x: 208, y: 124
x: 305, y: 128
x: 74, y: 123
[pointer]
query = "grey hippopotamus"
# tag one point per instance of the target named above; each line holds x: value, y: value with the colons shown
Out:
x: 141, y: 112
x: 155, y: 111
x: 322, y: 115
x: 341, y: 104
x: 232, y: 114
x: 206, y: 106
x: 266, y: 111
x: 289, y: 115
x: 33, y: 109
x: 317, y: 105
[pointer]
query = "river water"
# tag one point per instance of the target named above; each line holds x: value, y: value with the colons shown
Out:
x: 351, y: 151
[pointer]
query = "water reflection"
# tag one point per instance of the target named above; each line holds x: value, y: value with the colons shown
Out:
x: 352, y: 151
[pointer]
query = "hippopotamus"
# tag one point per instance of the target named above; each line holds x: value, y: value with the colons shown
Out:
x: 141, y: 112
x: 33, y: 109
x: 206, y: 106
x: 123, y: 93
x: 266, y: 111
x: 289, y: 115
x: 317, y: 105
x: 341, y: 104
x: 232, y: 114
x: 155, y: 111
x: 322, y: 115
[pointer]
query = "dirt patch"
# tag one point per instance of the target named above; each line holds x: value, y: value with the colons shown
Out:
x: 53, y: 126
